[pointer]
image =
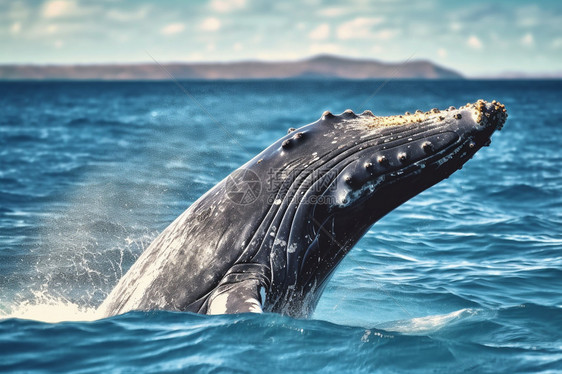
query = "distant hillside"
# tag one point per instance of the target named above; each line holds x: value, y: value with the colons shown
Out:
x: 323, y: 66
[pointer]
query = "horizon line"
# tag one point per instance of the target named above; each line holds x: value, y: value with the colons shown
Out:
x: 501, y: 75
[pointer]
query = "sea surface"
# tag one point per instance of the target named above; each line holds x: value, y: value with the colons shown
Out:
x: 465, y: 277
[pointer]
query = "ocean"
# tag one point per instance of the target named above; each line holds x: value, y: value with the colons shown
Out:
x: 465, y: 277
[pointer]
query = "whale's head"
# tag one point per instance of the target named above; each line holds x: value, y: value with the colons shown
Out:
x: 400, y: 156
x: 356, y: 168
x: 384, y: 161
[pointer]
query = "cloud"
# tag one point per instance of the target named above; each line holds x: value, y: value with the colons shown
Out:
x: 556, y: 43
x: 528, y: 16
x: 385, y: 34
x: 320, y: 33
x: 358, y: 28
x: 333, y: 11
x: 15, y: 28
x: 474, y: 42
x: 238, y: 46
x: 172, y: 28
x: 278, y: 55
x: 211, y: 24
x: 225, y: 6
x: 59, y: 8
x: 324, y: 48
x: 455, y: 26
x: 528, y: 40
x: 195, y: 56
x: 15, y: 11
x: 129, y: 15
x: 442, y: 52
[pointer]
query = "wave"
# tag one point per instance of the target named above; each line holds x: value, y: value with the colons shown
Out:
x: 464, y: 340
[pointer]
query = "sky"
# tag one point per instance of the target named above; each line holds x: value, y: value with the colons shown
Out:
x: 476, y: 38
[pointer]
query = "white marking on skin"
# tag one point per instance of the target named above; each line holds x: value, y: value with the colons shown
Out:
x: 278, y: 241
x: 218, y: 304
x: 349, y: 196
x: 277, y: 202
x: 254, y: 307
x: 292, y: 248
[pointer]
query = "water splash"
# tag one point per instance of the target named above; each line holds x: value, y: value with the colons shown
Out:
x: 45, y: 308
x: 82, y: 253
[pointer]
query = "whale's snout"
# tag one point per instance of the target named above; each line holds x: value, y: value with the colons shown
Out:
x: 478, y: 121
x: 491, y: 114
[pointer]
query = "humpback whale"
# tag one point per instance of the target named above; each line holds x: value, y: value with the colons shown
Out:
x: 268, y: 237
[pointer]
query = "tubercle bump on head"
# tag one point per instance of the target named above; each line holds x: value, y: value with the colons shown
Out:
x: 481, y: 111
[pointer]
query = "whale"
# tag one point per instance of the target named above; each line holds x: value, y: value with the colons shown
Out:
x: 269, y: 236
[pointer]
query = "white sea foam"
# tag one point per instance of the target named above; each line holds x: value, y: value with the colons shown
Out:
x: 429, y: 324
x: 45, y: 308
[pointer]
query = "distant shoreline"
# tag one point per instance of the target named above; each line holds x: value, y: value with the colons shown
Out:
x: 328, y: 79
x: 93, y: 80
x: 318, y: 67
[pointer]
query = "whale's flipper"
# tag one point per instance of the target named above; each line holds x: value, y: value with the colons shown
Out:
x: 240, y: 297
x: 242, y: 290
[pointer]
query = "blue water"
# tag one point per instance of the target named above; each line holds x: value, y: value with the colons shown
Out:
x: 466, y: 277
